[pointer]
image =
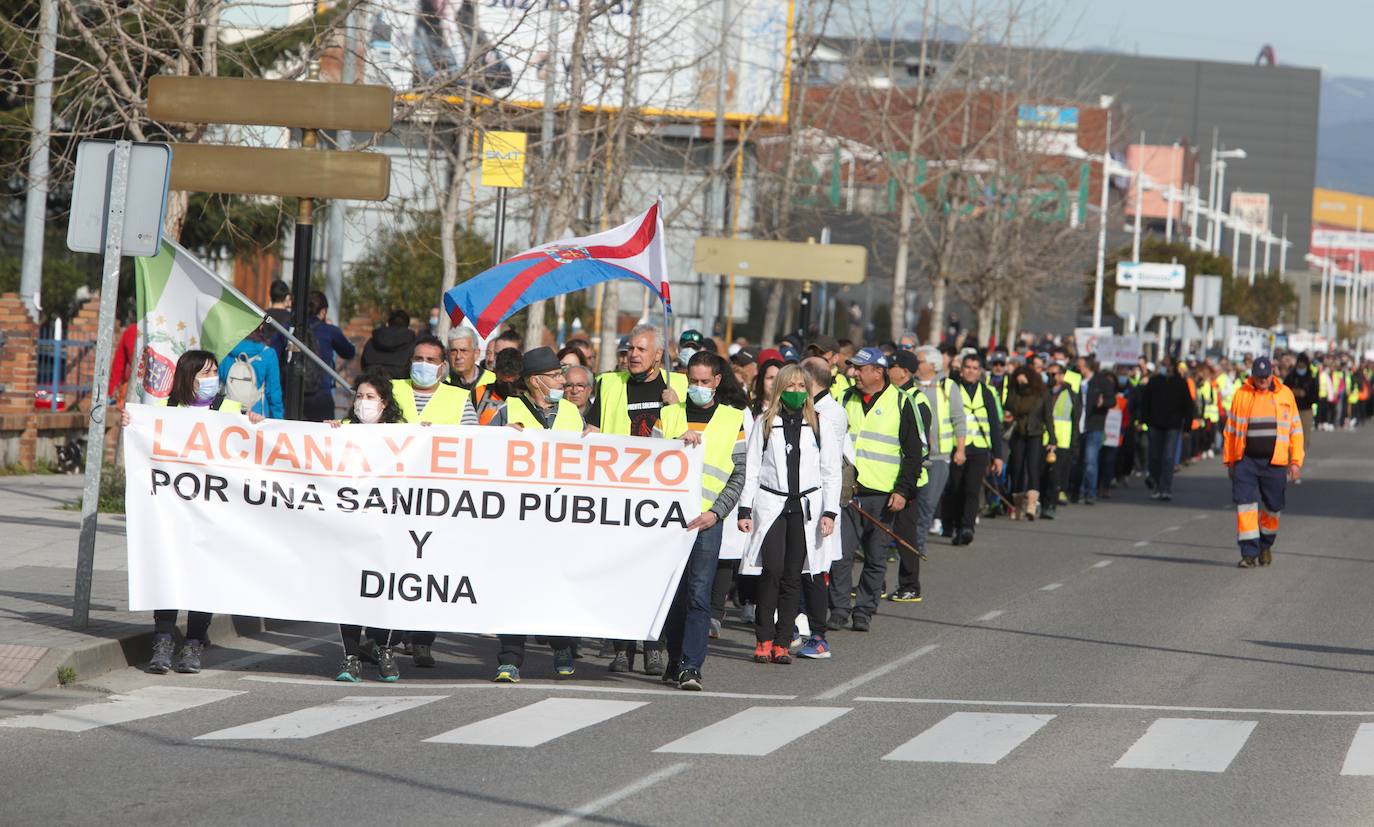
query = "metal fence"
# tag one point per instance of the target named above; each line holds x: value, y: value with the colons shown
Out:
x: 65, y: 370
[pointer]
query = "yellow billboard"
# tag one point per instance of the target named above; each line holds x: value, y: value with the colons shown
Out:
x: 1333, y: 208
x: 503, y: 159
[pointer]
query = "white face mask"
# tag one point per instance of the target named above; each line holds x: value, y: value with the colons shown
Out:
x: 368, y: 411
x: 207, y: 388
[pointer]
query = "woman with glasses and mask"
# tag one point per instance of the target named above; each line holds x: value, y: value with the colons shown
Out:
x: 195, y: 384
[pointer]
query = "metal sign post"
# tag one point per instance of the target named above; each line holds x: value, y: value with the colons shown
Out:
x: 95, y: 431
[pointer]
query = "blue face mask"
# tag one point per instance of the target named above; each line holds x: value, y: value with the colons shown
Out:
x: 206, y: 388
x: 1302, y: 370
x: 554, y: 395
x: 423, y: 374
x: 701, y: 395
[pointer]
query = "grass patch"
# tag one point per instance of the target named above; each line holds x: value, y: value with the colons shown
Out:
x: 42, y: 467
x: 66, y: 675
x: 111, y: 492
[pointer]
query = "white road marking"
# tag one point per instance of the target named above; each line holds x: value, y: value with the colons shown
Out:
x: 593, y: 807
x: 757, y: 730
x: 1193, y: 744
x: 317, y: 720
x: 1102, y: 564
x: 970, y: 738
x: 874, y: 674
x: 1224, y: 710
x: 247, y: 661
x: 1051, y: 587
x: 1142, y: 544
x: 148, y: 702
x: 507, y: 687
x: 1359, y: 760
x: 1170, y: 528
x: 537, y: 723
x: 992, y: 615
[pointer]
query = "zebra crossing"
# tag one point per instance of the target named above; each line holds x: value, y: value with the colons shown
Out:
x: 1191, y: 744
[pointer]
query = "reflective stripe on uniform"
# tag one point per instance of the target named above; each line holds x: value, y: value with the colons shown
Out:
x: 1247, y: 521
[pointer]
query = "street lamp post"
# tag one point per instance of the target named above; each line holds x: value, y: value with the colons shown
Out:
x: 1102, y: 225
x: 1219, y: 158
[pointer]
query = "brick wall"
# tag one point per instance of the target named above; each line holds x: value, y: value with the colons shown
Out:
x: 18, y: 356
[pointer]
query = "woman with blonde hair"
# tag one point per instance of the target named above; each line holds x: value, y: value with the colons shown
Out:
x: 788, y: 507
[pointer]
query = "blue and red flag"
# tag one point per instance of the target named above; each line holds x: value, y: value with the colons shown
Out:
x: 633, y: 250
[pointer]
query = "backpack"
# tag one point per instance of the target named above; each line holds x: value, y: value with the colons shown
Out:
x: 312, y: 376
x: 241, y: 385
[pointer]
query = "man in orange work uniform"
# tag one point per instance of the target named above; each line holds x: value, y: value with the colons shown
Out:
x: 1263, y: 449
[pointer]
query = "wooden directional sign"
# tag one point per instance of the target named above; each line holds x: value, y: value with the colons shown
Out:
x: 293, y: 173
x: 289, y: 103
x: 790, y: 260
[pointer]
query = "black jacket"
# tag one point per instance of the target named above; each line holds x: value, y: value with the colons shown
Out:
x: 389, y: 351
x: 1304, y: 388
x: 1101, y: 397
x: 1167, y: 405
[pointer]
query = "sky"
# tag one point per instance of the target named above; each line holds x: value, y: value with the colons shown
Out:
x: 1333, y: 35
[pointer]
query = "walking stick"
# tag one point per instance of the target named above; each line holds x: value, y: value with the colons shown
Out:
x: 889, y: 532
x: 998, y: 494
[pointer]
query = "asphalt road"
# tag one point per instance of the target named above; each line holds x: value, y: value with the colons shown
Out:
x: 1109, y: 667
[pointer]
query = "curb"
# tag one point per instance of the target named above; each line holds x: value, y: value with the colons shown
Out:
x: 109, y: 654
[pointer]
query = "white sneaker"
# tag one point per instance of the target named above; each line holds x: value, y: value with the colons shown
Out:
x: 803, y: 626
x: 936, y: 526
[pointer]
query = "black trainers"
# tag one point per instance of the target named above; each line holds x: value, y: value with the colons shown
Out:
x: 386, y: 664
x: 905, y: 596
x: 161, y: 662
x: 351, y: 671
x: 965, y: 538
x: 837, y: 623
x: 419, y: 652
x: 1248, y: 563
x: 620, y: 663
x: 689, y: 680
x: 1266, y: 557
x: 671, y: 672
x: 367, y: 651
x: 653, y: 662
x: 188, y: 659
x: 563, y: 663
x: 860, y: 624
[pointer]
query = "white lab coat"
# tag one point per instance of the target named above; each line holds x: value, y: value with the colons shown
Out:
x: 834, y: 424
x: 820, y: 469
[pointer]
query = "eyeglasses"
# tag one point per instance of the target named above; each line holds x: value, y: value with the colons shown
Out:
x: 578, y: 385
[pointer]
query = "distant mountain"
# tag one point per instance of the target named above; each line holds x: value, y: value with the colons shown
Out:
x: 1345, y: 135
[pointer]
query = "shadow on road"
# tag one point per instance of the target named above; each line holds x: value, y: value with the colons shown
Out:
x: 1313, y: 647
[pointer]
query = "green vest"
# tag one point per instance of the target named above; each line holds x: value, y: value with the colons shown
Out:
x: 1063, y: 420
x: 720, y: 436
x: 1207, y: 395
x: 445, y: 406
x: 613, y: 399
x: 876, y: 437
x: 1073, y: 379
x: 944, y: 415
x: 568, y: 419
x: 979, y: 419
x: 922, y: 404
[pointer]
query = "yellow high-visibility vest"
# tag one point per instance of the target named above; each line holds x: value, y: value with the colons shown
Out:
x: 877, y: 437
x: 445, y: 406
x: 720, y: 435
x: 613, y: 399
x: 569, y: 418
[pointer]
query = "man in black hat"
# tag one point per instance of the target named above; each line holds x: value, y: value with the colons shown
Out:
x: 540, y: 406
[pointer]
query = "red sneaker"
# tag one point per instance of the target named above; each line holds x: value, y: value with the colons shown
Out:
x: 763, y: 652
x: 781, y: 654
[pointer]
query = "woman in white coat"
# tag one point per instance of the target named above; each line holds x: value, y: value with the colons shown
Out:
x: 788, y: 507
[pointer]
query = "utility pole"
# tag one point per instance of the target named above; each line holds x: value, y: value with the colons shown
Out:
x: 1102, y: 224
x: 715, y: 214
x: 534, y: 320
x: 338, y: 208
x: 36, y: 201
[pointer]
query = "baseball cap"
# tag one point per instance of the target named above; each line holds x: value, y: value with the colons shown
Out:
x: 745, y: 356
x: 997, y: 358
x: 624, y: 346
x: 825, y: 344
x: 1262, y: 368
x: 770, y: 354
x: 790, y: 354
x: 690, y: 337
x: 869, y: 356
x: 906, y: 360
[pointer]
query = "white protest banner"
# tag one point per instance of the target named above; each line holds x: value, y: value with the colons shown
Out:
x: 1117, y: 350
x: 1246, y: 341
x: 448, y: 529
x: 1111, y: 430
x: 1086, y: 338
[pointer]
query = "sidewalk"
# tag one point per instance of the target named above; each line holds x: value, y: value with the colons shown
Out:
x: 37, y: 576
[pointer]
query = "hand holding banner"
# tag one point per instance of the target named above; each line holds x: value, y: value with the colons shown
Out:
x: 483, y: 530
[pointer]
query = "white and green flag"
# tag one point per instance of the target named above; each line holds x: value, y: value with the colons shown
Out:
x: 183, y: 305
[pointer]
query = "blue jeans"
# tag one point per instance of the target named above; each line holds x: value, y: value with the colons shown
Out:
x: 1092, y: 448
x: 1163, y: 453
x: 689, y: 619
